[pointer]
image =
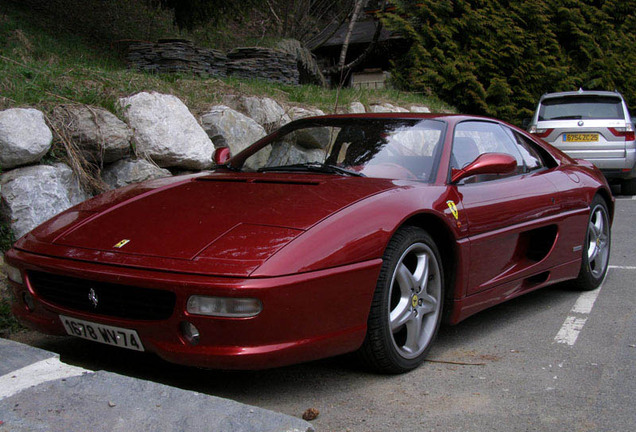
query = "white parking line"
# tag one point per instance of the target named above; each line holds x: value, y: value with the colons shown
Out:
x: 574, y: 323
x: 623, y: 267
x: 37, y: 373
x: 570, y: 330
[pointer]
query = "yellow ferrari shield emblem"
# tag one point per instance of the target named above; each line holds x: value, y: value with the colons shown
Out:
x: 453, y: 208
x: 122, y: 243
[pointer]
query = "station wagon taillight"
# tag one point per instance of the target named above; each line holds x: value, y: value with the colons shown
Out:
x: 626, y: 132
x: 540, y: 133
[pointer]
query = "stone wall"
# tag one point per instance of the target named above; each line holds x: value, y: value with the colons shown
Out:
x: 178, y: 55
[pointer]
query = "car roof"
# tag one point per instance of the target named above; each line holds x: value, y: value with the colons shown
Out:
x: 582, y: 92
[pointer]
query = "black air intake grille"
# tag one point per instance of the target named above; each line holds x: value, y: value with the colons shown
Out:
x: 113, y: 300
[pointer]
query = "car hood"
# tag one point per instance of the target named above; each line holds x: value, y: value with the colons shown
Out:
x: 218, y: 223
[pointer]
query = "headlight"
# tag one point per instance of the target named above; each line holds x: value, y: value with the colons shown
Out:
x: 224, y: 306
x: 13, y: 273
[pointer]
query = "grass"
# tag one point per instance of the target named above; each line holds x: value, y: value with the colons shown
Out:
x: 43, y: 67
x: 8, y: 324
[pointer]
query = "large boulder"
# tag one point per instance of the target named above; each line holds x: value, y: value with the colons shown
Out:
x: 356, y: 108
x: 296, y: 113
x: 127, y: 171
x: 229, y: 128
x: 24, y: 137
x: 386, y: 107
x: 33, y: 194
x: 287, y: 153
x: 166, y: 132
x: 265, y: 111
x: 419, y: 109
x: 99, y: 135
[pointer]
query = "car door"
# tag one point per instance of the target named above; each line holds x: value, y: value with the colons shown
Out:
x: 507, y: 215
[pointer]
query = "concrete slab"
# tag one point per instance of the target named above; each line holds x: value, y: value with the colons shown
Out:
x: 73, y: 399
x: 14, y: 355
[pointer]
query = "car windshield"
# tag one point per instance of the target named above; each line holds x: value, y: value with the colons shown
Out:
x: 381, y: 148
x: 581, y: 107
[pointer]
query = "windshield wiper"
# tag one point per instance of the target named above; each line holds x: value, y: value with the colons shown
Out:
x: 313, y: 167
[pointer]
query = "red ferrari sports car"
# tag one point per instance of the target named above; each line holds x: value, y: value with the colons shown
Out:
x: 332, y: 235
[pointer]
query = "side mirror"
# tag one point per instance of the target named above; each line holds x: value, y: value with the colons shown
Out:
x: 487, y: 163
x: 222, y: 155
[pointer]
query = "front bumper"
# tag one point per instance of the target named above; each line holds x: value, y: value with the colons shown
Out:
x: 304, y: 317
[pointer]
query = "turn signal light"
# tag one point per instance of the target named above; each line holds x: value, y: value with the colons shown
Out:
x: 13, y: 273
x: 224, y: 306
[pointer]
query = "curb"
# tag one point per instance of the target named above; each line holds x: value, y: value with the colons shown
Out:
x: 40, y: 393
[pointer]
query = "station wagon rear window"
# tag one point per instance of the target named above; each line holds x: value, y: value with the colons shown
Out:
x: 581, y: 107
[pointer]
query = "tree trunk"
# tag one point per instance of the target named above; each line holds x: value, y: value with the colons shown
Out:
x: 354, y: 18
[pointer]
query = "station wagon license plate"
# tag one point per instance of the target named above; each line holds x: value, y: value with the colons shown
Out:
x: 580, y: 137
x: 109, y: 335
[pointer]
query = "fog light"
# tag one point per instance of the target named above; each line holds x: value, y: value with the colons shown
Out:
x: 28, y: 301
x: 189, y: 332
x: 13, y: 273
x: 224, y: 306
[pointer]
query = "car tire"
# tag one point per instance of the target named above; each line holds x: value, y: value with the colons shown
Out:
x: 407, y: 305
x: 596, y: 247
x: 628, y: 187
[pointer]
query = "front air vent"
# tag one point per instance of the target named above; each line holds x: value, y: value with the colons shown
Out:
x: 224, y: 180
x: 540, y: 242
x: 108, y: 299
x: 258, y: 180
x: 292, y: 182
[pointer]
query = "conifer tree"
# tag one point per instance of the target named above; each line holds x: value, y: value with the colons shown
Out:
x: 496, y: 57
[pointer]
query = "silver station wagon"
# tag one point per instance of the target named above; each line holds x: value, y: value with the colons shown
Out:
x: 591, y: 125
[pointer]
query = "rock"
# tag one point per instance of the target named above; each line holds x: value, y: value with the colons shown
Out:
x: 296, y: 113
x: 33, y: 194
x: 308, y: 67
x: 356, y: 108
x: 127, y: 171
x: 176, y: 56
x: 311, y: 414
x: 287, y: 153
x: 419, y: 109
x: 311, y: 138
x: 229, y: 128
x: 166, y: 132
x: 99, y: 134
x: 263, y: 63
x: 24, y: 137
x: 386, y: 107
x: 265, y: 111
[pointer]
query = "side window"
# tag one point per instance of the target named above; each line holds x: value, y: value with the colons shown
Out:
x: 474, y: 138
x: 531, y: 157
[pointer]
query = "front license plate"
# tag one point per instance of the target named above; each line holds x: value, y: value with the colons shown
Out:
x: 117, y: 336
x: 580, y: 137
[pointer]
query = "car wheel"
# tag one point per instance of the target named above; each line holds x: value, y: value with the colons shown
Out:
x: 407, y: 304
x: 628, y: 187
x: 596, y: 249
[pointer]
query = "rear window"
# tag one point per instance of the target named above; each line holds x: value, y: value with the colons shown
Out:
x: 581, y: 107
